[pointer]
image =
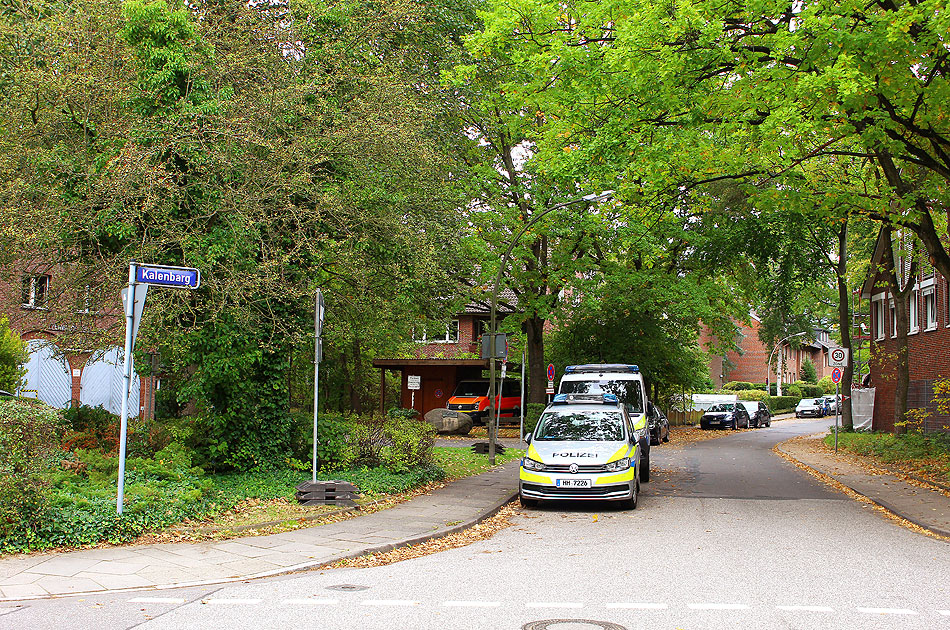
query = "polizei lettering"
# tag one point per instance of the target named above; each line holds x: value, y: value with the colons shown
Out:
x: 569, y: 454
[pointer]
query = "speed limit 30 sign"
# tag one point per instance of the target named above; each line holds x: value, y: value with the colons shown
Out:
x: 838, y: 357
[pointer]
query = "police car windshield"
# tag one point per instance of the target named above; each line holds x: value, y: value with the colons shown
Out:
x: 627, y: 392
x: 580, y: 426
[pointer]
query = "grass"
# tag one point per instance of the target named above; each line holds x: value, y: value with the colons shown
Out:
x: 924, y: 455
x: 462, y: 462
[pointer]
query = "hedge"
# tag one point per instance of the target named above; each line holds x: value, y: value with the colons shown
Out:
x: 778, y: 403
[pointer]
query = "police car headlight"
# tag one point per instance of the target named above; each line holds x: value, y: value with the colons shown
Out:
x: 620, y: 464
x: 529, y: 464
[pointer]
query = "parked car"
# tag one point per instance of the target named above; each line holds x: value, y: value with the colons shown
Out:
x: 725, y: 415
x: 584, y: 447
x: 759, y: 414
x: 471, y: 397
x: 659, y: 424
x: 810, y: 407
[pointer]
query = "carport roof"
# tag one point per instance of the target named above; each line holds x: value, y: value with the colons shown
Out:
x: 396, y: 364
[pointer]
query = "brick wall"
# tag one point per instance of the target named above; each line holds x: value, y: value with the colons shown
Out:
x: 929, y: 359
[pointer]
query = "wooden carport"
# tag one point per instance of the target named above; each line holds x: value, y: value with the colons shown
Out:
x: 438, y: 379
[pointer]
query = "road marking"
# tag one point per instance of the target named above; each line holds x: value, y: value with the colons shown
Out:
x: 638, y: 605
x: 806, y: 608
x: 473, y: 604
x: 887, y: 611
x: 554, y: 605
x: 310, y: 602
x: 235, y: 602
x: 390, y: 602
x: 157, y: 600
x: 718, y: 606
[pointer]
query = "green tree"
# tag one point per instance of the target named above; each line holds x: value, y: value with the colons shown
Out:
x: 809, y: 371
x: 13, y: 358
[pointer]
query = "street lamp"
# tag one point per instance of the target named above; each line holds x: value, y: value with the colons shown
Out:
x: 493, y: 327
x: 768, y: 367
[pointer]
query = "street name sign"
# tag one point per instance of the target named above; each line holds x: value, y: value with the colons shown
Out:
x: 174, y: 277
x: 838, y: 357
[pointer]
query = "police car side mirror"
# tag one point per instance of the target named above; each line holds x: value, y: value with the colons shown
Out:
x: 527, y: 438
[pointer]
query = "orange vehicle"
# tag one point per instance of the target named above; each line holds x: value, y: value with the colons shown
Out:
x: 471, y: 397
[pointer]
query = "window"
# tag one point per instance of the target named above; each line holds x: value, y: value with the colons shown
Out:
x: 893, y: 318
x: 913, y: 311
x: 451, y: 334
x: 877, y: 315
x: 35, y: 291
x: 930, y: 309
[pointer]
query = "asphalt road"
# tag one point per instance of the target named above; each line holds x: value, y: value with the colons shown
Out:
x: 730, y: 537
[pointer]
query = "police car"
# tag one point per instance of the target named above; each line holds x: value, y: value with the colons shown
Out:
x: 584, y: 447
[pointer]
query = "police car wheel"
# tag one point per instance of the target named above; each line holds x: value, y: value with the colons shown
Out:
x: 527, y: 503
x: 645, y: 468
x: 631, y: 503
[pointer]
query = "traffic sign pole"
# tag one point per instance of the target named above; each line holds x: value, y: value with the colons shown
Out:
x: 126, y: 386
x: 837, y: 404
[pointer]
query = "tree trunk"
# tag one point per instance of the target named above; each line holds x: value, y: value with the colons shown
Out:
x: 844, y: 324
x: 901, y: 310
x: 537, y: 371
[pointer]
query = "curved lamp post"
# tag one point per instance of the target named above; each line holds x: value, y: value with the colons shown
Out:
x: 493, y: 327
x: 768, y: 367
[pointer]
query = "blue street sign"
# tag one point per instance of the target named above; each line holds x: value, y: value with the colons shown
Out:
x: 180, y: 277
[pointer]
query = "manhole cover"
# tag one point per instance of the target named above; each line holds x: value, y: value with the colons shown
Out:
x: 570, y: 624
x: 347, y: 587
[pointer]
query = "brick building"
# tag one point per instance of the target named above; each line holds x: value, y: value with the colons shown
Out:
x: 750, y: 363
x: 74, y: 339
x: 928, y: 340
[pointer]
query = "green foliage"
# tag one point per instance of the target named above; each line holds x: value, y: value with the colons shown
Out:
x: 13, y: 357
x: 737, y: 385
x: 827, y: 385
x: 410, y: 444
x: 930, y: 453
x: 29, y: 438
x: 532, y: 415
x: 751, y: 394
x: 92, y: 428
x: 793, y: 389
x: 809, y: 371
x: 782, y: 403
x: 808, y: 390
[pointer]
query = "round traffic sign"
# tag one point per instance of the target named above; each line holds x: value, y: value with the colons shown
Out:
x: 838, y: 355
x: 550, y: 371
x: 836, y: 375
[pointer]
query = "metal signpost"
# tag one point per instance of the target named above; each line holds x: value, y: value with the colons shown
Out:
x: 838, y: 359
x: 521, y: 433
x: 133, y: 300
x: 317, y: 357
x: 550, y: 389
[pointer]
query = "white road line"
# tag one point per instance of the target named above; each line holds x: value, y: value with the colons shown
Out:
x: 718, y: 606
x: 638, y: 605
x: 310, y: 602
x: 806, y: 608
x: 472, y: 604
x: 887, y: 611
x: 235, y: 602
x: 390, y: 602
x: 157, y: 600
x: 554, y: 605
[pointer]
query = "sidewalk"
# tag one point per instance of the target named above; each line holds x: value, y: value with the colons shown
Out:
x: 454, y: 507
x: 920, y: 503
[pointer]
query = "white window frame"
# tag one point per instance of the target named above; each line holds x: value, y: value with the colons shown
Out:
x: 38, y: 291
x: 930, y: 308
x: 877, y: 317
x: 893, y: 319
x: 452, y: 326
x: 914, y: 312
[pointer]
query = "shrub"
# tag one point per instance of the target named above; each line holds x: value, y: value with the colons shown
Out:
x: 827, y: 385
x: 782, y: 403
x: 737, y: 385
x: 410, y: 445
x: 30, y: 434
x: 532, y: 414
x: 793, y: 390
x: 751, y: 394
x: 13, y: 358
x: 92, y: 427
x: 809, y: 390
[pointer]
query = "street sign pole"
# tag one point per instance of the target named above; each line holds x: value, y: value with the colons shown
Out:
x: 317, y: 355
x: 521, y: 432
x: 126, y: 385
x: 837, y: 404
